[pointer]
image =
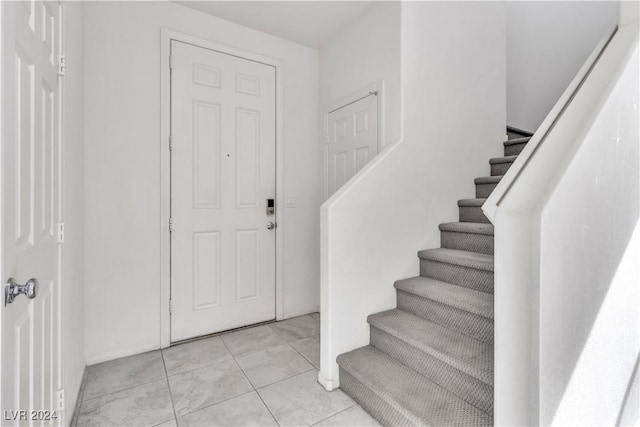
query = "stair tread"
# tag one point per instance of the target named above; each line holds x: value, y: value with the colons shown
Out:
x: 516, y: 141
x: 463, y: 258
x: 470, y: 300
x: 505, y: 159
x: 419, y: 399
x: 456, y: 349
x: 514, y: 129
x: 472, y: 203
x: 488, y: 179
x: 468, y: 227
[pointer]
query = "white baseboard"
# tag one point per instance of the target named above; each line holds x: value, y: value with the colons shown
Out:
x: 328, y: 384
x: 121, y: 353
x: 299, y: 313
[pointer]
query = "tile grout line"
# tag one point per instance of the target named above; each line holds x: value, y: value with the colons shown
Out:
x: 214, y: 404
x: 254, y: 388
x: 303, y: 356
x: 166, y: 376
x: 339, y: 412
x: 124, y: 389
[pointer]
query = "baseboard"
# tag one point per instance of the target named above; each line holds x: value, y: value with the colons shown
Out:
x: 300, y: 313
x: 79, y: 397
x: 328, y: 384
x: 119, y: 354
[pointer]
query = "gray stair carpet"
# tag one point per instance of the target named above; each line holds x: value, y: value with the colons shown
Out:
x: 430, y: 360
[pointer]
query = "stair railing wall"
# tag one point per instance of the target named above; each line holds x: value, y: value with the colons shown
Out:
x: 564, y: 217
x: 453, y: 115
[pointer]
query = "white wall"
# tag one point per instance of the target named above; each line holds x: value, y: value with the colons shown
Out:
x: 454, y: 107
x: 567, y: 245
x: 73, y: 208
x: 122, y: 167
x: 547, y: 42
x: 367, y: 51
x: 590, y: 269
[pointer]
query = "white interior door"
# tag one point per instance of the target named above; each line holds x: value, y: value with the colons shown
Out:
x: 222, y: 173
x: 30, y: 211
x: 352, y: 142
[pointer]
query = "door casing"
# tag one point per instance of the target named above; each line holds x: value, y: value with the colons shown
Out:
x: 378, y: 87
x: 165, y: 169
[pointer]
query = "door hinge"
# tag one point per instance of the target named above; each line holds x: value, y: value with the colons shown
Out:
x: 170, y: 61
x: 60, y: 232
x: 61, y: 400
x: 170, y: 143
x: 170, y: 224
x: 170, y: 306
x: 62, y: 65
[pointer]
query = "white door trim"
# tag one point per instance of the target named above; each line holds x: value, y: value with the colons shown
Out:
x: 377, y: 87
x: 165, y: 170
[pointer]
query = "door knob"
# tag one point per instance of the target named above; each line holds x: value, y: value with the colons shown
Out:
x: 12, y: 290
x: 271, y: 225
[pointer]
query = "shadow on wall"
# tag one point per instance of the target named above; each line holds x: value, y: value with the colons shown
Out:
x: 590, y: 270
x: 612, y: 320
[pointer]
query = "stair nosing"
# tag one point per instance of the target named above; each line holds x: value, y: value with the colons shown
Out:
x: 403, y: 286
x: 458, y: 257
x: 472, y: 203
x: 481, y: 228
x: 377, y: 320
x: 517, y: 141
x: 501, y: 160
x: 488, y: 179
x: 384, y: 393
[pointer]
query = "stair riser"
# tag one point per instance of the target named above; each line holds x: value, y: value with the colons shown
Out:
x: 472, y: 214
x: 470, y: 324
x: 375, y: 405
x: 481, y: 243
x: 514, y: 150
x: 468, y: 277
x: 466, y: 387
x: 484, y: 190
x: 500, y: 168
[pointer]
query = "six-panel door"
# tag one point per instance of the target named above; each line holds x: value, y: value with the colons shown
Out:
x: 222, y: 173
x: 31, y: 210
x: 352, y: 140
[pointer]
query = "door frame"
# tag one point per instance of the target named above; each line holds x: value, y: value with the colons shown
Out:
x: 376, y: 87
x: 166, y: 36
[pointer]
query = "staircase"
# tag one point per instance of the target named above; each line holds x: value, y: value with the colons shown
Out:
x: 430, y: 360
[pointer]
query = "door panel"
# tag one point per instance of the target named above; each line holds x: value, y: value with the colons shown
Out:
x: 30, y: 368
x: 222, y: 173
x: 352, y: 142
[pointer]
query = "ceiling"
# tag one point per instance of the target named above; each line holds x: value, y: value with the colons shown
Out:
x: 310, y: 23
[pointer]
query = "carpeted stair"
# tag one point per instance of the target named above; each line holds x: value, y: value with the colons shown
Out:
x: 430, y: 360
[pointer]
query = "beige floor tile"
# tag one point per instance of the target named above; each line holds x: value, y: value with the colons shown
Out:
x: 245, y: 410
x: 206, y: 386
x: 301, y: 401
x: 145, y: 405
x: 310, y: 349
x: 272, y: 365
x: 352, y: 417
x: 297, y: 328
x: 120, y: 374
x: 252, y: 339
x: 196, y: 354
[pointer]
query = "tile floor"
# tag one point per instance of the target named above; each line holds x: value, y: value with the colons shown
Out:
x: 260, y: 376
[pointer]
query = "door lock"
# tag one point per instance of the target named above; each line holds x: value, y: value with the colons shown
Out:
x: 12, y: 290
x: 271, y: 207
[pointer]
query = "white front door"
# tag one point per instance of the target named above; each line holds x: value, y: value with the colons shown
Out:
x: 222, y: 173
x: 30, y: 352
x: 352, y: 142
